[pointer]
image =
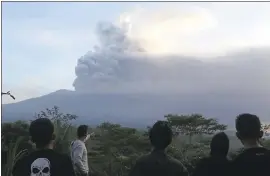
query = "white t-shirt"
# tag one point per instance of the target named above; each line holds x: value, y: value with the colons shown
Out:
x: 79, y: 156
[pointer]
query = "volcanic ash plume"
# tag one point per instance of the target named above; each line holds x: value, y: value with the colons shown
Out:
x: 120, y: 64
x: 102, y: 64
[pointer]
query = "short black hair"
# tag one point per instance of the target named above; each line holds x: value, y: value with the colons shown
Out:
x: 248, y: 126
x: 82, y: 131
x: 160, y: 135
x: 41, y: 131
x: 220, y: 145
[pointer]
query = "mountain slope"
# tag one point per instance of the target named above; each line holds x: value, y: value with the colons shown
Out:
x: 140, y: 110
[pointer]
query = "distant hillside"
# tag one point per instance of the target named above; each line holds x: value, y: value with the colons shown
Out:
x: 139, y: 110
x: 238, y: 83
x: 235, y: 143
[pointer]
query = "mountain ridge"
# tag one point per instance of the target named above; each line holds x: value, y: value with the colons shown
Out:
x: 140, y: 109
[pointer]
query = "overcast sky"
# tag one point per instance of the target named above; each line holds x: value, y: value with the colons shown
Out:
x: 43, y: 41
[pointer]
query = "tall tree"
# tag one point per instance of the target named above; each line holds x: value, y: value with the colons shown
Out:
x: 266, y: 128
x: 116, y: 148
x: 194, y: 124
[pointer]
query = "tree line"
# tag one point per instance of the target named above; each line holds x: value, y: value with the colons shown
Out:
x: 114, y: 149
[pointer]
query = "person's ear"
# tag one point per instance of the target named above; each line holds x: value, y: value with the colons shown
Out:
x: 53, y: 136
x: 31, y: 139
x: 261, y: 134
x: 31, y: 142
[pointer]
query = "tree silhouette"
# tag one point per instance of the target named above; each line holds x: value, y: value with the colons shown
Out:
x: 194, y: 124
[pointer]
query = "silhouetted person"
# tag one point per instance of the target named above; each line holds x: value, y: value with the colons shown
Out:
x: 158, y: 163
x: 79, y: 151
x: 217, y: 163
x: 44, y: 161
x: 255, y: 159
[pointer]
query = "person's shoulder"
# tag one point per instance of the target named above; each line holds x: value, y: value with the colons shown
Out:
x: 143, y: 158
x: 178, y: 166
x: 77, y: 143
x: 239, y: 159
x: 204, y: 162
x: 175, y: 162
x: 267, y: 152
x: 264, y: 155
x: 252, y: 154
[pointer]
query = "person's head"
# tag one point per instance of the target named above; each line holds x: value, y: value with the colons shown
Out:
x: 42, y: 133
x: 82, y: 131
x: 160, y: 135
x: 220, y: 145
x: 248, y: 127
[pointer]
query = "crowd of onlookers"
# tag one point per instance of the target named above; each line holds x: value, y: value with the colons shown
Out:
x: 253, y: 161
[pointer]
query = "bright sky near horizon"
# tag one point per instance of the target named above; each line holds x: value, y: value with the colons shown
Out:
x: 41, y: 41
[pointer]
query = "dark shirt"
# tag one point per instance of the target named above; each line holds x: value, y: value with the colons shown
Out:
x: 158, y: 163
x: 252, y: 162
x: 45, y: 163
x: 212, y: 166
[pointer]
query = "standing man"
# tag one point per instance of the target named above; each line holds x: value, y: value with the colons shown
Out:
x: 79, y: 151
x: 44, y: 161
x: 255, y: 159
x: 217, y: 163
x: 158, y: 163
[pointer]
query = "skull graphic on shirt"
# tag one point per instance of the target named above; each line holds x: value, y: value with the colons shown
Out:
x: 41, y: 167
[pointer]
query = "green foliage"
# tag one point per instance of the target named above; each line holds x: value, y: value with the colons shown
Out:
x: 12, y: 155
x: 11, y: 132
x: 194, y: 124
x: 232, y: 155
x: 266, y: 128
x: 266, y: 144
x: 15, y: 142
x: 114, y: 149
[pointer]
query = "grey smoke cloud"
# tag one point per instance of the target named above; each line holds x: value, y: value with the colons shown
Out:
x: 120, y: 64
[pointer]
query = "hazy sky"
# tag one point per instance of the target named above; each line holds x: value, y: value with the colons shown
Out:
x: 42, y: 41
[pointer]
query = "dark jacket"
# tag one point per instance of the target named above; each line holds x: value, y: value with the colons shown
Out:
x: 217, y: 164
x: 157, y: 163
x: 252, y: 162
x: 212, y: 166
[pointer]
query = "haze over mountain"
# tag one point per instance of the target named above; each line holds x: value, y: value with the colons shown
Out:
x: 216, y: 89
x: 140, y: 109
x: 124, y: 80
